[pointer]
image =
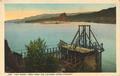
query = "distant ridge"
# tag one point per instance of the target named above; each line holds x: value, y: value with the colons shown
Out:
x: 102, y: 16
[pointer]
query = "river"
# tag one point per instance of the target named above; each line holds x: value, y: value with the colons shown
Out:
x: 20, y: 34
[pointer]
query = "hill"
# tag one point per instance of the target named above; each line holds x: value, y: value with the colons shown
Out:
x: 102, y: 16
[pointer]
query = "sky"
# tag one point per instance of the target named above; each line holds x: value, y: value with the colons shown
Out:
x: 19, y: 11
x: 63, y: 1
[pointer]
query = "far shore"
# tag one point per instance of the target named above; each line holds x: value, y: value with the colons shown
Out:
x: 62, y: 22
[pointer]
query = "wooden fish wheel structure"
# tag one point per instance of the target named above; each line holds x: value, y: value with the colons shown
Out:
x: 84, y: 53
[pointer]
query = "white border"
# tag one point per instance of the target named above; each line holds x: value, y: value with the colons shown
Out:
x: 117, y: 2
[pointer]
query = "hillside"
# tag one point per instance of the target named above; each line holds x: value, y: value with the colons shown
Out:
x: 102, y: 16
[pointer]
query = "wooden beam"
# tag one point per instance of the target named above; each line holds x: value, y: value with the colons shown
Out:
x: 89, y: 37
x: 79, y: 36
x: 75, y: 36
x: 95, y: 38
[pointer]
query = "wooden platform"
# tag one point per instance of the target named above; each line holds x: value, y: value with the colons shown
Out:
x: 77, y: 49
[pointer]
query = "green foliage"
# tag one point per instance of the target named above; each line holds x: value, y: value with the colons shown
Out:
x: 37, y: 60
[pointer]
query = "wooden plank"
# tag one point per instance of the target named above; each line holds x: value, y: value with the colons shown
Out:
x: 77, y: 49
x: 83, y: 25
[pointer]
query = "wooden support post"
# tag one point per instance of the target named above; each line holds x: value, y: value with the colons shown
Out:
x: 75, y: 57
x: 56, y: 52
x: 50, y: 51
x: 89, y: 37
x: 71, y: 57
x: 79, y: 56
x: 47, y: 51
x: 75, y: 36
x: 53, y: 52
x: 65, y: 54
x: 60, y: 53
x: 68, y: 56
x: 85, y: 37
x: 100, y: 61
x: 79, y: 36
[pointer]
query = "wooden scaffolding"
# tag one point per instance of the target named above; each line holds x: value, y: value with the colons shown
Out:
x: 83, y: 53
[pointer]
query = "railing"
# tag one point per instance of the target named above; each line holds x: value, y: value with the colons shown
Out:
x: 49, y: 51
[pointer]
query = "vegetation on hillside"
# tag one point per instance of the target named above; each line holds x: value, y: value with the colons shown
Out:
x: 37, y: 60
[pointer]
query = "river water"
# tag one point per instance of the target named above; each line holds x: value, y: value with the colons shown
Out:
x: 20, y: 34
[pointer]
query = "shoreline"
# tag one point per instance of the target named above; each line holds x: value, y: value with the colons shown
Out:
x: 62, y: 22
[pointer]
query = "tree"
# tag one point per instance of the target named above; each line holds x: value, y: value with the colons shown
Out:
x: 37, y: 60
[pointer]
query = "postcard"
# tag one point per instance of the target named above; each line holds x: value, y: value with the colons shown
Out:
x: 60, y: 38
